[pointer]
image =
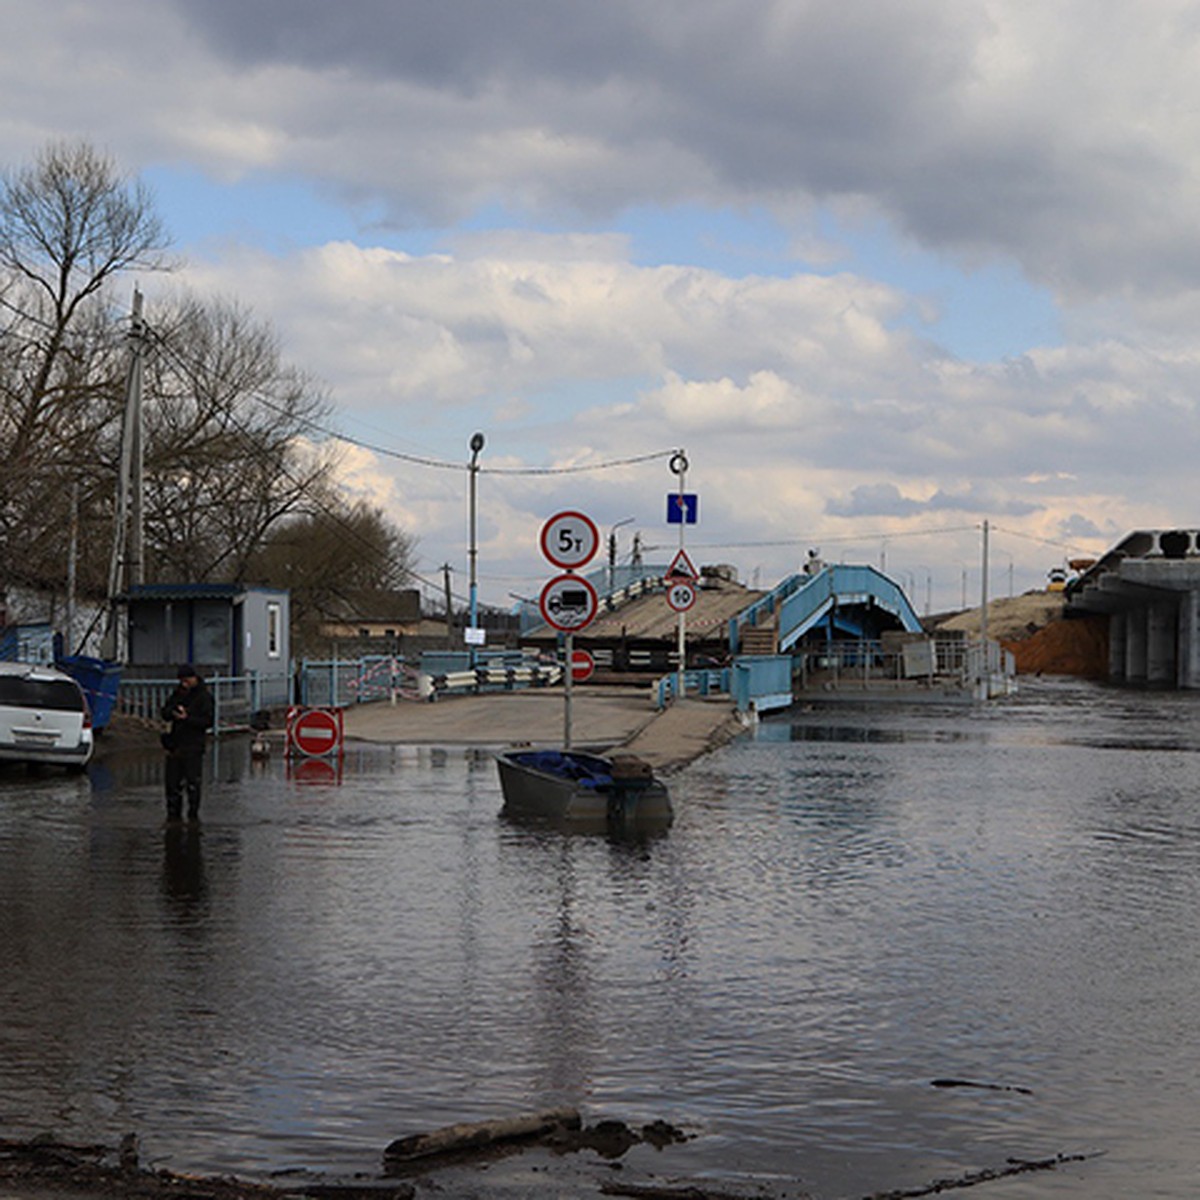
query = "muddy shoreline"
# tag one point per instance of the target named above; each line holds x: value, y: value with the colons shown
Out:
x: 548, y: 1165
x: 512, y: 1157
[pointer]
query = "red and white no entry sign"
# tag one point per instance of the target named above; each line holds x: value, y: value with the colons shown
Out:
x: 315, y: 731
x: 582, y: 665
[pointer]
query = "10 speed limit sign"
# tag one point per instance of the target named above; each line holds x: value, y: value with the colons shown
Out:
x: 681, y: 595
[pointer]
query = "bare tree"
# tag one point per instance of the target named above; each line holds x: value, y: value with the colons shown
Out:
x: 70, y: 223
x: 233, y: 441
x: 339, y: 561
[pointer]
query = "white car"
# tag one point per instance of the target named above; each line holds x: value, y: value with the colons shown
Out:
x: 44, y: 716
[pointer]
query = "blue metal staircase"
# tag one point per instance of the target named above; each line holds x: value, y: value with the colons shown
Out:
x: 801, y: 601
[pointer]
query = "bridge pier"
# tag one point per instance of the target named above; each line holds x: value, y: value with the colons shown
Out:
x: 1189, y: 640
x: 1161, y: 624
x: 1135, y: 645
x: 1118, y: 647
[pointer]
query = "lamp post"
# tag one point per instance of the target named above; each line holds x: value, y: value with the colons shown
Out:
x: 612, y: 551
x: 477, y: 442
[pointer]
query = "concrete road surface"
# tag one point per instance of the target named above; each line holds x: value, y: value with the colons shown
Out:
x: 601, y: 718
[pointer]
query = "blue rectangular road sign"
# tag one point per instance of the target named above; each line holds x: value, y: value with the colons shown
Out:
x: 682, y: 508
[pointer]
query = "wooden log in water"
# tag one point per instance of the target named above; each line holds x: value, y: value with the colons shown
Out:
x: 451, y: 1139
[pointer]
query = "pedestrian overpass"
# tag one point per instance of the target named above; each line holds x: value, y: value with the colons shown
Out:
x: 856, y: 602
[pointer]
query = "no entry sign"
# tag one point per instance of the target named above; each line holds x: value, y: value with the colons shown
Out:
x: 582, y: 665
x: 315, y: 731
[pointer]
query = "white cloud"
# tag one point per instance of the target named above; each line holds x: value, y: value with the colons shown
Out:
x: 1061, y: 137
x: 853, y: 420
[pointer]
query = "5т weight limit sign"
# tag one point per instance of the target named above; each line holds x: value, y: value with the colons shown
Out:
x: 570, y: 540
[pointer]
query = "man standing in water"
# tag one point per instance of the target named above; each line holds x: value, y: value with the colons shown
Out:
x: 190, y: 711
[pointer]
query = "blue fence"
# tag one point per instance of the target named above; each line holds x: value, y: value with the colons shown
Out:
x: 762, y: 683
x: 755, y: 683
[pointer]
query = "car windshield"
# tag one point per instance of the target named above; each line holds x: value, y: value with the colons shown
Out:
x: 58, y: 694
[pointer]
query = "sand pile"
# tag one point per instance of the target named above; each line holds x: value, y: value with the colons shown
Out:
x: 1032, y: 627
x: 1076, y: 647
x: 1010, y: 618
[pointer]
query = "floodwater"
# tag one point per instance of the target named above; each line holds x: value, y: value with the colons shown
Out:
x: 852, y: 903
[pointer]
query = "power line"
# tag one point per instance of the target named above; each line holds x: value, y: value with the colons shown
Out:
x: 1029, y: 537
x: 95, y: 337
x: 869, y: 536
x: 313, y: 501
x: 444, y: 465
x: 424, y: 460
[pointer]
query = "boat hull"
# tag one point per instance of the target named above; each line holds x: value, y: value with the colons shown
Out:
x: 581, y: 790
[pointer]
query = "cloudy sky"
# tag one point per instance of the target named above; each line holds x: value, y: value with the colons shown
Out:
x: 883, y: 270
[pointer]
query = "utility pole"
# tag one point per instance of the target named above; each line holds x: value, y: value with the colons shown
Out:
x: 679, y: 465
x: 983, y: 621
x: 612, y: 552
x: 983, y: 609
x: 72, y: 569
x: 449, y: 607
x: 137, y: 481
x: 126, y: 563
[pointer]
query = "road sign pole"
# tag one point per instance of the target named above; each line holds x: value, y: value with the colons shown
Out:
x: 473, y: 613
x: 568, y: 687
x: 680, y: 462
x: 568, y: 602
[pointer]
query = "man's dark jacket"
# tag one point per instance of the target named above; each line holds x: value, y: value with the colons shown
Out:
x: 188, y: 733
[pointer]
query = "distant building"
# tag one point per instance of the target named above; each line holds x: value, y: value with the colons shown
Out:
x: 395, y: 624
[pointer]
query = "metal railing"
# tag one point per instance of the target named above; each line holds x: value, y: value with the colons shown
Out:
x: 236, y: 698
x: 339, y: 682
x: 846, y: 665
x: 704, y: 681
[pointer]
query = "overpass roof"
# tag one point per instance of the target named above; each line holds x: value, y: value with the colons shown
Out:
x: 1144, y: 565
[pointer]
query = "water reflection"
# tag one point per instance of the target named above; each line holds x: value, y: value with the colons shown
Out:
x: 184, y: 881
x: 777, y: 729
x: 849, y: 905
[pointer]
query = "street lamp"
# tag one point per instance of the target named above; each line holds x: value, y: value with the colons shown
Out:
x: 612, y: 551
x: 477, y: 441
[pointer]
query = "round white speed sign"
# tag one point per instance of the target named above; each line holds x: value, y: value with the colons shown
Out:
x: 681, y: 596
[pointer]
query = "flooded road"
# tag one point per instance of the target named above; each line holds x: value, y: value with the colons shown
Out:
x: 852, y: 903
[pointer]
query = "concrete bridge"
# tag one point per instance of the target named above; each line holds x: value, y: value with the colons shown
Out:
x: 1148, y: 585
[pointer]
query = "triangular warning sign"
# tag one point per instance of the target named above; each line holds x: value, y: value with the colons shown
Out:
x: 681, y: 567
